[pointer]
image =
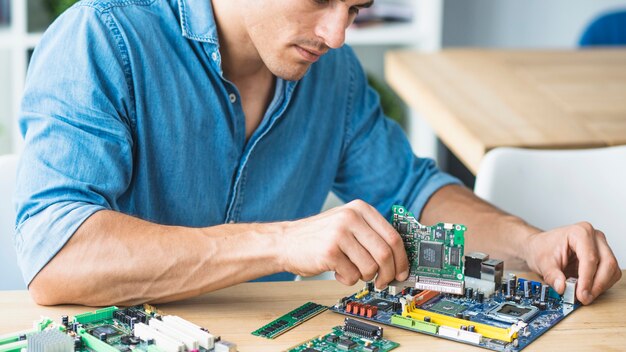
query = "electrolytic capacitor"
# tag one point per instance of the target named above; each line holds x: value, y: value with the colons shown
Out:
x: 469, y: 292
x: 64, y: 320
x: 481, y: 297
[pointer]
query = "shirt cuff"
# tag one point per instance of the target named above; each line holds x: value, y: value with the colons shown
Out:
x: 436, y: 182
x: 40, y: 237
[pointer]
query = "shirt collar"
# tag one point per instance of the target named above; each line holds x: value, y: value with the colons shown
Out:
x: 197, y: 21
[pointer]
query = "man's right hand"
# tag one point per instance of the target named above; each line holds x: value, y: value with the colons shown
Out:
x: 352, y: 240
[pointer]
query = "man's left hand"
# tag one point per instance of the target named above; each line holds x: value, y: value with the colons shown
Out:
x: 577, y: 250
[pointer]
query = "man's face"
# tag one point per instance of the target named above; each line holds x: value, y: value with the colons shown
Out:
x: 290, y: 35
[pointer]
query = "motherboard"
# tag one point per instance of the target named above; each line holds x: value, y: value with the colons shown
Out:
x: 463, y: 298
x: 138, y: 328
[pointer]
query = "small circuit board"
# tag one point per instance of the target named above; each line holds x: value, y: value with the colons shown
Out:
x: 290, y: 320
x: 354, y: 336
x: 435, y: 253
x: 139, y: 328
x: 469, y: 299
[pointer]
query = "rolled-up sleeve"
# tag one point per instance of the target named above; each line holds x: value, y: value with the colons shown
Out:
x: 378, y: 164
x: 76, y: 119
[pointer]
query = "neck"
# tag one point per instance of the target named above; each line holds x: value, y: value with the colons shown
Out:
x: 240, y: 59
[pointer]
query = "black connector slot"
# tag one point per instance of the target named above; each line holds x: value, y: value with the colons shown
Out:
x: 362, y: 329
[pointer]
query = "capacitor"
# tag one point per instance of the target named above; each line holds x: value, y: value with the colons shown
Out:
x: 64, y: 320
x: 544, y: 292
x: 463, y: 327
x: 527, y: 288
x: 517, y: 299
x: 471, y: 328
x: 78, y: 343
x: 512, y: 281
x: 427, y: 319
x: 466, y: 316
x: 480, y: 297
x: 103, y: 336
x: 510, y: 291
x: 469, y: 292
x: 22, y: 337
x: 542, y: 306
x: 459, y: 315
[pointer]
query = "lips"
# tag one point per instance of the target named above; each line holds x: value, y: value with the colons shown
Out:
x: 309, y: 54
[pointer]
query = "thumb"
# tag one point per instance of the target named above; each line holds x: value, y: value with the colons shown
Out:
x: 555, y: 278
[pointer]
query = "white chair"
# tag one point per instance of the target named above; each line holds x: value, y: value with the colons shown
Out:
x: 551, y: 188
x: 10, y: 274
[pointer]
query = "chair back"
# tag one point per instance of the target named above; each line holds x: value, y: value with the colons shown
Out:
x: 552, y: 188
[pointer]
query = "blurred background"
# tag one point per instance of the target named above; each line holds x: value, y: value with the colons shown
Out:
x: 425, y: 25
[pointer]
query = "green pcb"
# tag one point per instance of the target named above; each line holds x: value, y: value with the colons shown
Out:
x: 435, y: 253
x: 340, y: 340
x: 289, y: 320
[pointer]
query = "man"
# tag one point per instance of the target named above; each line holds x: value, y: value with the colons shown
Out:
x: 159, y: 165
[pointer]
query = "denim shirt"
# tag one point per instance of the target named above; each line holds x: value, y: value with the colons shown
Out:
x: 126, y: 108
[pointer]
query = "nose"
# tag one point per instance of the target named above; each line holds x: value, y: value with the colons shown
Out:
x: 332, y: 28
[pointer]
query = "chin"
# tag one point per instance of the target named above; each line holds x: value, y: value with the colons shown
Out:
x: 291, y: 72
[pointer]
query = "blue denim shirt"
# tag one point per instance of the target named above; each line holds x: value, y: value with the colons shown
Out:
x: 126, y: 108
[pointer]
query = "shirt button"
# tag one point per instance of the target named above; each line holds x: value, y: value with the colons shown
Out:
x: 233, y: 97
x: 214, y: 56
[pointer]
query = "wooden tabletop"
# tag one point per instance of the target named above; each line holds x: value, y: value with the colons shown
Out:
x: 477, y: 100
x: 235, y: 312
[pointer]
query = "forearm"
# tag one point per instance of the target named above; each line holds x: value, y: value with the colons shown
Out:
x: 489, y: 229
x: 117, y: 259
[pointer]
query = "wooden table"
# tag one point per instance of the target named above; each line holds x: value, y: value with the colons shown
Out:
x: 235, y: 312
x: 477, y: 100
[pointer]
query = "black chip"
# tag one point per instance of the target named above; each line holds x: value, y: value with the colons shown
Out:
x: 346, y: 343
x: 309, y: 349
x: 382, y: 304
x: 332, y: 338
x: 431, y: 255
x: 455, y: 256
x: 370, y: 348
x: 105, y: 329
x: 403, y: 227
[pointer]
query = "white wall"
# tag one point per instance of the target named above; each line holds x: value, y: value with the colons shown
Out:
x: 520, y: 23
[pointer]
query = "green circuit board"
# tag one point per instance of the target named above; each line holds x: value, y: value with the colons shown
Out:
x: 435, y: 253
x: 353, y: 336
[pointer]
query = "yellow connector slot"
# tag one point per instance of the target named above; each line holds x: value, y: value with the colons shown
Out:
x: 487, y: 331
x: 362, y: 293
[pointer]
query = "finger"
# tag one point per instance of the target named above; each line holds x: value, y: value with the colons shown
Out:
x: 381, y: 226
x: 380, y: 251
x: 555, y: 278
x: 359, y: 256
x: 608, y: 270
x: 345, y: 271
x: 584, y: 245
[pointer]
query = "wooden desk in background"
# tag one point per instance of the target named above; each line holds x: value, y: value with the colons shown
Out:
x: 477, y: 100
x: 235, y: 312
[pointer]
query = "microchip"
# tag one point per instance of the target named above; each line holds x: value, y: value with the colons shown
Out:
x: 105, y: 329
x: 455, y: 256
x: 431, y: 255
x: 403, y: 227
x: 448, y: 308
x: 382, y: 304
x: 309, y: 349
x: 440, y: 234
x: 346, y: 343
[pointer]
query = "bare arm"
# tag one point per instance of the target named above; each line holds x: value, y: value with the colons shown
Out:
x: 117, y: 259
x: 576, y: 250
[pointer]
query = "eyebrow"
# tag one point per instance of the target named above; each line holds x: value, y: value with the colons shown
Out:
x: 364, y: 5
